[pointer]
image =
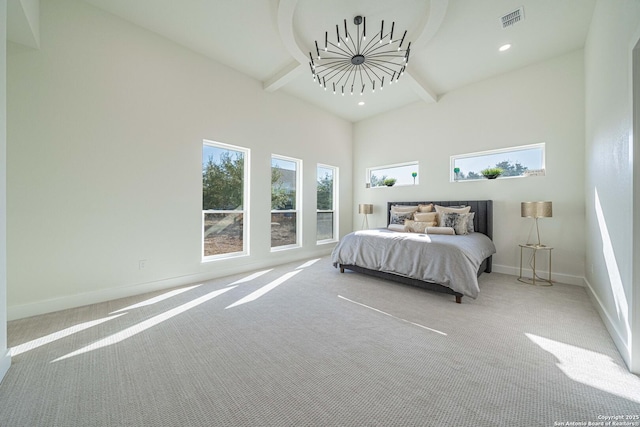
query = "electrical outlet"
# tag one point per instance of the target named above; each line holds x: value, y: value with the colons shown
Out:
x: 142, y: 264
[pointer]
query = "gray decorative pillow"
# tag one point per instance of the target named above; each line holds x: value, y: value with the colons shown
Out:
x: 399, y: 217
x: 456, y: 221
x: 470, y: 228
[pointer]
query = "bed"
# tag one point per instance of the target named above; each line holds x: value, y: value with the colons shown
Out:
x: 441, y: 263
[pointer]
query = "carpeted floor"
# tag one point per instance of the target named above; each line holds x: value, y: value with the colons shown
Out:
x: 303, y: 345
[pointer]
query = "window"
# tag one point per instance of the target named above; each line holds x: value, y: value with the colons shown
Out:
x: 390, y: 175
x: 525, y: 160
x: 285, y: 202
x: 326, y: 203
x: 225, y: 181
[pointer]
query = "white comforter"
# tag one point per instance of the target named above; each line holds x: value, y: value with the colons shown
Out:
x: 452, y: 261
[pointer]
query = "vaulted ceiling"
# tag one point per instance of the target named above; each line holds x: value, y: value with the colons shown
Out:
x: 453, y: 42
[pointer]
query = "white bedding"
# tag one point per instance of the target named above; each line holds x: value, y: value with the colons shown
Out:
x: 452, y: 261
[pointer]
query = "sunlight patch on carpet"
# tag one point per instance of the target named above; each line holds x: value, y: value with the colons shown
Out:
x: 251, y: 277
x: 157, y: 299
x: 591, y: 368
x: 308, y: 263
x: 39, y: 342
x: 263, y: 290
x: 143, y: 326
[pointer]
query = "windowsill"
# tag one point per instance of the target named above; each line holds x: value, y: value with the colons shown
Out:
x: 285, y: 248
x: 212, y: 258
x: 501, y: 177
x: 395, y: 185
x: 326, y: 242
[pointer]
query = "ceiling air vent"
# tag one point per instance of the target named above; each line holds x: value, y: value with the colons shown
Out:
x: 512, y: 17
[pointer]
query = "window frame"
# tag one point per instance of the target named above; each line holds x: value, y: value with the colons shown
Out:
x: 298, y: 200
x: 334, y: 209
x: 368, y: 171
x: 535, y: 172
x: 245, y: 205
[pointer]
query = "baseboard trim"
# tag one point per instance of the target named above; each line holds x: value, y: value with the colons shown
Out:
x: 5, y: 364
x: 15, y: 312
x: 556, y: 277
x: 615, y: 334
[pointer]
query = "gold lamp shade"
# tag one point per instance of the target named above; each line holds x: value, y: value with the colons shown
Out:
x: 365, y: 208
x: 536, y: 210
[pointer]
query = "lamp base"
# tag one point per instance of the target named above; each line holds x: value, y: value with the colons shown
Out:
x: 365, y: 223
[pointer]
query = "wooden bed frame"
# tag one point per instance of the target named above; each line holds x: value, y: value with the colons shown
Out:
x: 482, y: 223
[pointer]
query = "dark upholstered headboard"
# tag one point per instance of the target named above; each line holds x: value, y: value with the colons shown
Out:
x: 482, y: 221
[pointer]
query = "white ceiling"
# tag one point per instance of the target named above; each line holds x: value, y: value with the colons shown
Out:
x: 454, y: 42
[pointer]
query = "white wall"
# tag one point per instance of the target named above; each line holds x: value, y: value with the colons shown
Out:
x: 5, y: 358
x: 609, y: 191
x: 105, y: 131
x: 540, y: 103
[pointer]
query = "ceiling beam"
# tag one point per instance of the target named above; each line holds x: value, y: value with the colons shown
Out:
x: 437, y: 11
x: 283, y: 76
x: 420, y: 87
x: 286, y: 8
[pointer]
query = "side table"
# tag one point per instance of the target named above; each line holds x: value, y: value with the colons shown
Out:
x: 534, y: 278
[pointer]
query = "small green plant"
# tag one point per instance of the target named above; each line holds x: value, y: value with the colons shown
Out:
x: 389, y: 182
x: 491, y: 173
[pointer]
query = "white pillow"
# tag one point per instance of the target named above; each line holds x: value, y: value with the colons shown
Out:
x: 440, y: 230
x: 402, y: 208
x: 396, y: 227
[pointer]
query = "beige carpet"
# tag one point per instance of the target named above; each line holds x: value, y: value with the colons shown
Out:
x: 303, y: 345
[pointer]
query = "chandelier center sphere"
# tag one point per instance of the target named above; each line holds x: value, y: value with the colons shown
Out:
x: 357, y: 59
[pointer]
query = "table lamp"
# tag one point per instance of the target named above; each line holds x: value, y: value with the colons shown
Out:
x: 366, y: 209
x: 536, y: 210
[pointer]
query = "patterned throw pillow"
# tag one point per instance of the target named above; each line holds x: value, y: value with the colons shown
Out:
x: 456, y: 221
x: 400, y: 217
x: 470, y: 228
x: 418, y: 226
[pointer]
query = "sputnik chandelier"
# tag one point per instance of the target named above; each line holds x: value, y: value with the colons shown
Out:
x: 358, y: 63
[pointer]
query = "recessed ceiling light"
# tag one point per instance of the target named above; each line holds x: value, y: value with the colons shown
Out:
x: 361, y: 103
x: 504, y: 47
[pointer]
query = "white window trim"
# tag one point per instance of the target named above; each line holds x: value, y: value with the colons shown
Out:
x: 297, y: 210
x: 395, y: 165
x: 245, y: 206
x: 335, y: 205
x: 455, y: 157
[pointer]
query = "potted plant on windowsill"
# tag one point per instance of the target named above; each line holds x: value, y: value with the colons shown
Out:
x: 491, y: 173
x: 389, y: 182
